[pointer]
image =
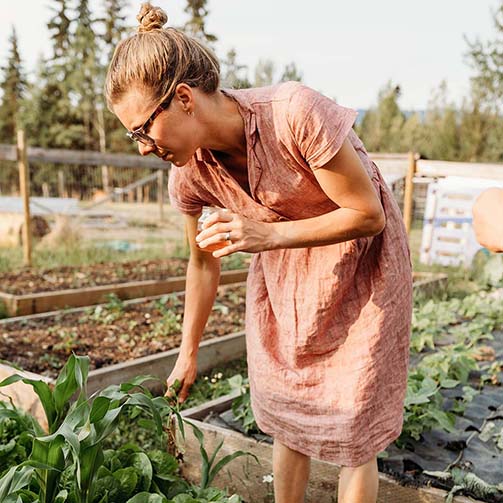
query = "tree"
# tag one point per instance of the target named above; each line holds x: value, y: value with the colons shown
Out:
x: 381, y: 127
x: 442, y: 135
x: 264, y: 73
x: 195, y: 26
x: 291, y: 73
x: 13, y: 85
x: 84, y: 78
x: 59, y: 27
x: 114, y: 23
x: 233, y: 74
x: 486, y: 58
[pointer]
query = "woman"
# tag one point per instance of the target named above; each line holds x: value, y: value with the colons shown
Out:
x: 329, y: 287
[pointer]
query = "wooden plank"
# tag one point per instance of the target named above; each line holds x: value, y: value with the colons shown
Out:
x: 245, y: 476
x: 212, y: 352
x: 460, y: 169
x: 21, y: 305
x: 84, y: 157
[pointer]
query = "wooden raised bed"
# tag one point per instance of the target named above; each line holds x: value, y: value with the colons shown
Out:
x: 245, y: 476
x: 21, y: 305
x: 212, y: 353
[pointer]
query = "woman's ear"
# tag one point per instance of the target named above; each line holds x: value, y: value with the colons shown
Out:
x: 185, y: 97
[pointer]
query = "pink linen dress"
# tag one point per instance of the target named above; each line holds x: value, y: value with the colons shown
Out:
x: 327, y: 328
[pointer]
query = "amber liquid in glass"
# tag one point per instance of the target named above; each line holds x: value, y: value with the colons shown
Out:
x: 207, y: 211
x: 216, y: 246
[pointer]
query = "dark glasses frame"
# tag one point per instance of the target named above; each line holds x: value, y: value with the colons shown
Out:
x: 139, y: 134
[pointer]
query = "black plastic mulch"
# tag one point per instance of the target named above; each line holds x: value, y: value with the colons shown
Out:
x: 439, y: 450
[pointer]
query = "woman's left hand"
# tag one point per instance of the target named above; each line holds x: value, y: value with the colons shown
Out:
x: 245, y: 234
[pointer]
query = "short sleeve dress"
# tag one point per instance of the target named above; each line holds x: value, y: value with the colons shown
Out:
x: 327, y: 328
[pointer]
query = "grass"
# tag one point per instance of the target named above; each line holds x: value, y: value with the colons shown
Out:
x: 12, y: 258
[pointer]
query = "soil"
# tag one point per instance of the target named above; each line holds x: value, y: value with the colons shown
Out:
x: 28, y: 281
x: 113, y: 333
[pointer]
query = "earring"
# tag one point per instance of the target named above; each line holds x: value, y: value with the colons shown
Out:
x: 190, y: 114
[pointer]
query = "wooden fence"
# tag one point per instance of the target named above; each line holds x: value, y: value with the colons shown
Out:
x: 416, y: 171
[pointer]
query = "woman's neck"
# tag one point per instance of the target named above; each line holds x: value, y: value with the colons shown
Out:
x: 225, y: 131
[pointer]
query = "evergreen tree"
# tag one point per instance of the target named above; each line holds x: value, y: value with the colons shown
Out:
x: 487, y: 60
x: 233, y: 74
x: 114, y: 25
x: 291, y: 73
x: 13, y: 85
x: 196, y: 25
x: 59, y: 27
x: 85, y: 73
x: 381, y: 127
x: 264, y: 73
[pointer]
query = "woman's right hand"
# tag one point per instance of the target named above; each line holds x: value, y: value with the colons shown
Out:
x: 185, y: 372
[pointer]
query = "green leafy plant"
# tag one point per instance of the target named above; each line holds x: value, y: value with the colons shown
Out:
x: 241, y: 406
x: 109, y: 312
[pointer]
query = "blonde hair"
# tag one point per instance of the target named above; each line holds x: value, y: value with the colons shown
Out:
x: 157, y: 59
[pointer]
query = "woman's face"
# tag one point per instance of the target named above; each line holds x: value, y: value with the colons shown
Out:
x: 174, y: 130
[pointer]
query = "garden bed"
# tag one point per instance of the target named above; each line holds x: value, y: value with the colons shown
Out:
x: 122, y: 339
x: 30, y: 291
x: 249, y: 478
x: 453, y: 428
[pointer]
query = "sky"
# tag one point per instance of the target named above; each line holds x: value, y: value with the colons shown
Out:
x: 347, y: 49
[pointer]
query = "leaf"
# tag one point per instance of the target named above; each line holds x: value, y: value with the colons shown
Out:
x: 145, y: 497
x: 142, y: 463
x: 449, y: 383
x: 128, y: 480
x: 226, y: 460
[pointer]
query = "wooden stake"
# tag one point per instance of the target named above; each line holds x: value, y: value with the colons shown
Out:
x: 409, y: 193
x: 24, y: 186
x: 160, y: 193
x: 61, y: 183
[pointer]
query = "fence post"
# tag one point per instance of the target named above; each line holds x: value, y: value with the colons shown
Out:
x: 160, y: 193
x: 61, y: 183
x: 408, y: 197
x: 24, y: 187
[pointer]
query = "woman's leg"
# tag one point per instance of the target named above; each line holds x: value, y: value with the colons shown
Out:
x: 358, y: 484
x: 291, y: 474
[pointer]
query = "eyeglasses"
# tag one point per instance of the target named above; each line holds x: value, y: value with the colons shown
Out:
x: 140, y: 134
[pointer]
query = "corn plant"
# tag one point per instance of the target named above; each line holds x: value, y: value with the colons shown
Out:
x: 76, y: 434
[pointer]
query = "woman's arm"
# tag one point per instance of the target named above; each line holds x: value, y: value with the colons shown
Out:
x: 203, y: 274
x: 344, y: 180
x: 488, y: 219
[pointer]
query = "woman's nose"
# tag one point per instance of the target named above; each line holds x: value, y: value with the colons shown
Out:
x: 145, y: 149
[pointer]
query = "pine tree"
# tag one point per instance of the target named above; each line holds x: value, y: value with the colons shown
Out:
x: 196, y: 25
x: 381, y: 127
x: 234, y: 74
x: 59, y: 27
x: 291, y: 73
x: 13, y: 85
x: 114, y: 25
x: 85, y: 72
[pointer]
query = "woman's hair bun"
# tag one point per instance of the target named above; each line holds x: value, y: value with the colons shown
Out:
x: 151, y: 18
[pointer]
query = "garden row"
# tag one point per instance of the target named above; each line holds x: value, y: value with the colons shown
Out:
x: 118, y: 335
x: 31, y: 291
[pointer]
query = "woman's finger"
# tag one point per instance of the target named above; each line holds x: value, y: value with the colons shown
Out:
x: 227, y: 250
x: 214, y: 239
x: 218, y: 216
